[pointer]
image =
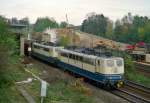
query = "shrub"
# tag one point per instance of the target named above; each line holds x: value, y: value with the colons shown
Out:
x: 64, y: 41
x: 8, y: 47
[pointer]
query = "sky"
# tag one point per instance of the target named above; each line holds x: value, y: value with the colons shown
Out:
x: 76, y: 10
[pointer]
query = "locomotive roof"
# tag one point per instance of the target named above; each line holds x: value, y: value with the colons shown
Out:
x: 76, y: 52
x: 45, y: 46
x: 91, y: 51
x: 79, y: 54
x: 85, y: 55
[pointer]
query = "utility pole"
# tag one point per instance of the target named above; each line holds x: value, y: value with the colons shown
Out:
x: 67, y: 20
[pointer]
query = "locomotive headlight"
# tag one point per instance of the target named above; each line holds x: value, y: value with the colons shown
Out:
x: 121, y: 82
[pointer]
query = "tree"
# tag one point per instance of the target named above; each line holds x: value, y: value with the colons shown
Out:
x: 95, y: 24
x: 3, y: 26
x: 132, y: 29
x: 129, y: 29
x: 109, y: 30
x: 147, y: 32
x: 43, y: 23
x: 63, y: 24
x: 8, y: 47
x: 64, y: 41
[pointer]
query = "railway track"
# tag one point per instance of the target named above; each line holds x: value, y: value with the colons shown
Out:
x: 143, y: 67
x: 134, y: 93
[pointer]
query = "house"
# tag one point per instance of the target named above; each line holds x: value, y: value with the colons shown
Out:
x: 49, y: 35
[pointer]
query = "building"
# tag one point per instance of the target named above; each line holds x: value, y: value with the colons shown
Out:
x: 49, y: 35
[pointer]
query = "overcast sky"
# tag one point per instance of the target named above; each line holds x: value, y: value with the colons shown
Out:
x: 75, y: 9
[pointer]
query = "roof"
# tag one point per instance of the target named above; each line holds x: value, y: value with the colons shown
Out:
x: 79, y: 54
x: 87, y: 55
x: 45, y: 46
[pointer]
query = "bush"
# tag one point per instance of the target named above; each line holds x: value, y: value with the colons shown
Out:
x: 8, y: 47
x: 4, y: 79
x: 129, y: 66
x: 132, y: 74
x: 64, y: 41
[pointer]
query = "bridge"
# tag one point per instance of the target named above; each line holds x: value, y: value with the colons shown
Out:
x: 18, y: 26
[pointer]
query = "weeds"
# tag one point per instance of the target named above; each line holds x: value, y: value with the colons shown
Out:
x: 133, y: 75
x: 77, y: 85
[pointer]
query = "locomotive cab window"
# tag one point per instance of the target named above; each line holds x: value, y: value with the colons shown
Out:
x: 110, y: 63
x: 119, y: 63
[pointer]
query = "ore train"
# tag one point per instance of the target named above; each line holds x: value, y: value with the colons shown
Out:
x: 107, y: 71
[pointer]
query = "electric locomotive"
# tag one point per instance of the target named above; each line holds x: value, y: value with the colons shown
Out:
x: 107, y: 71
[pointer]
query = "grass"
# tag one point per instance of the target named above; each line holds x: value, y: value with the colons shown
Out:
x: 132, y: 74
x: 139, y: 78
x: 59, y: 92
x: 9, y: 93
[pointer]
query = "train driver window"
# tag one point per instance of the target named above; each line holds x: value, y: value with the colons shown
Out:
x: 119, y: 63
x: 110, y: 63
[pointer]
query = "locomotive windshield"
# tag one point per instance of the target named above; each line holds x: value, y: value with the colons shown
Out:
x: 110, y: 63
x: 119, y: 63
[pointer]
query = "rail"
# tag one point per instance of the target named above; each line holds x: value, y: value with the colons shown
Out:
x: 133, y: 92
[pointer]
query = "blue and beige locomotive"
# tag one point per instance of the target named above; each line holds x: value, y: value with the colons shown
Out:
x: 107, y: 71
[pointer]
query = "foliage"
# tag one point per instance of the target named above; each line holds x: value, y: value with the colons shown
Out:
x: 134, y: 30
x: 64, y: 41
x: 130, y: 29
x: 43, y: 23
x: 9, y: 72
x: 132, y: 74
x: 60, y: 92
x: 8, y: 47
x: 109, y: 30
x: 63, y: 24
x: 95, y: 24
x: 129, y: 64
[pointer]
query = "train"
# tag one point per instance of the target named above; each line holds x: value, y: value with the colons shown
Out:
x: 106, y: 71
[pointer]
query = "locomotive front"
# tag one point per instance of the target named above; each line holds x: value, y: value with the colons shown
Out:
x: 113, y: 72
